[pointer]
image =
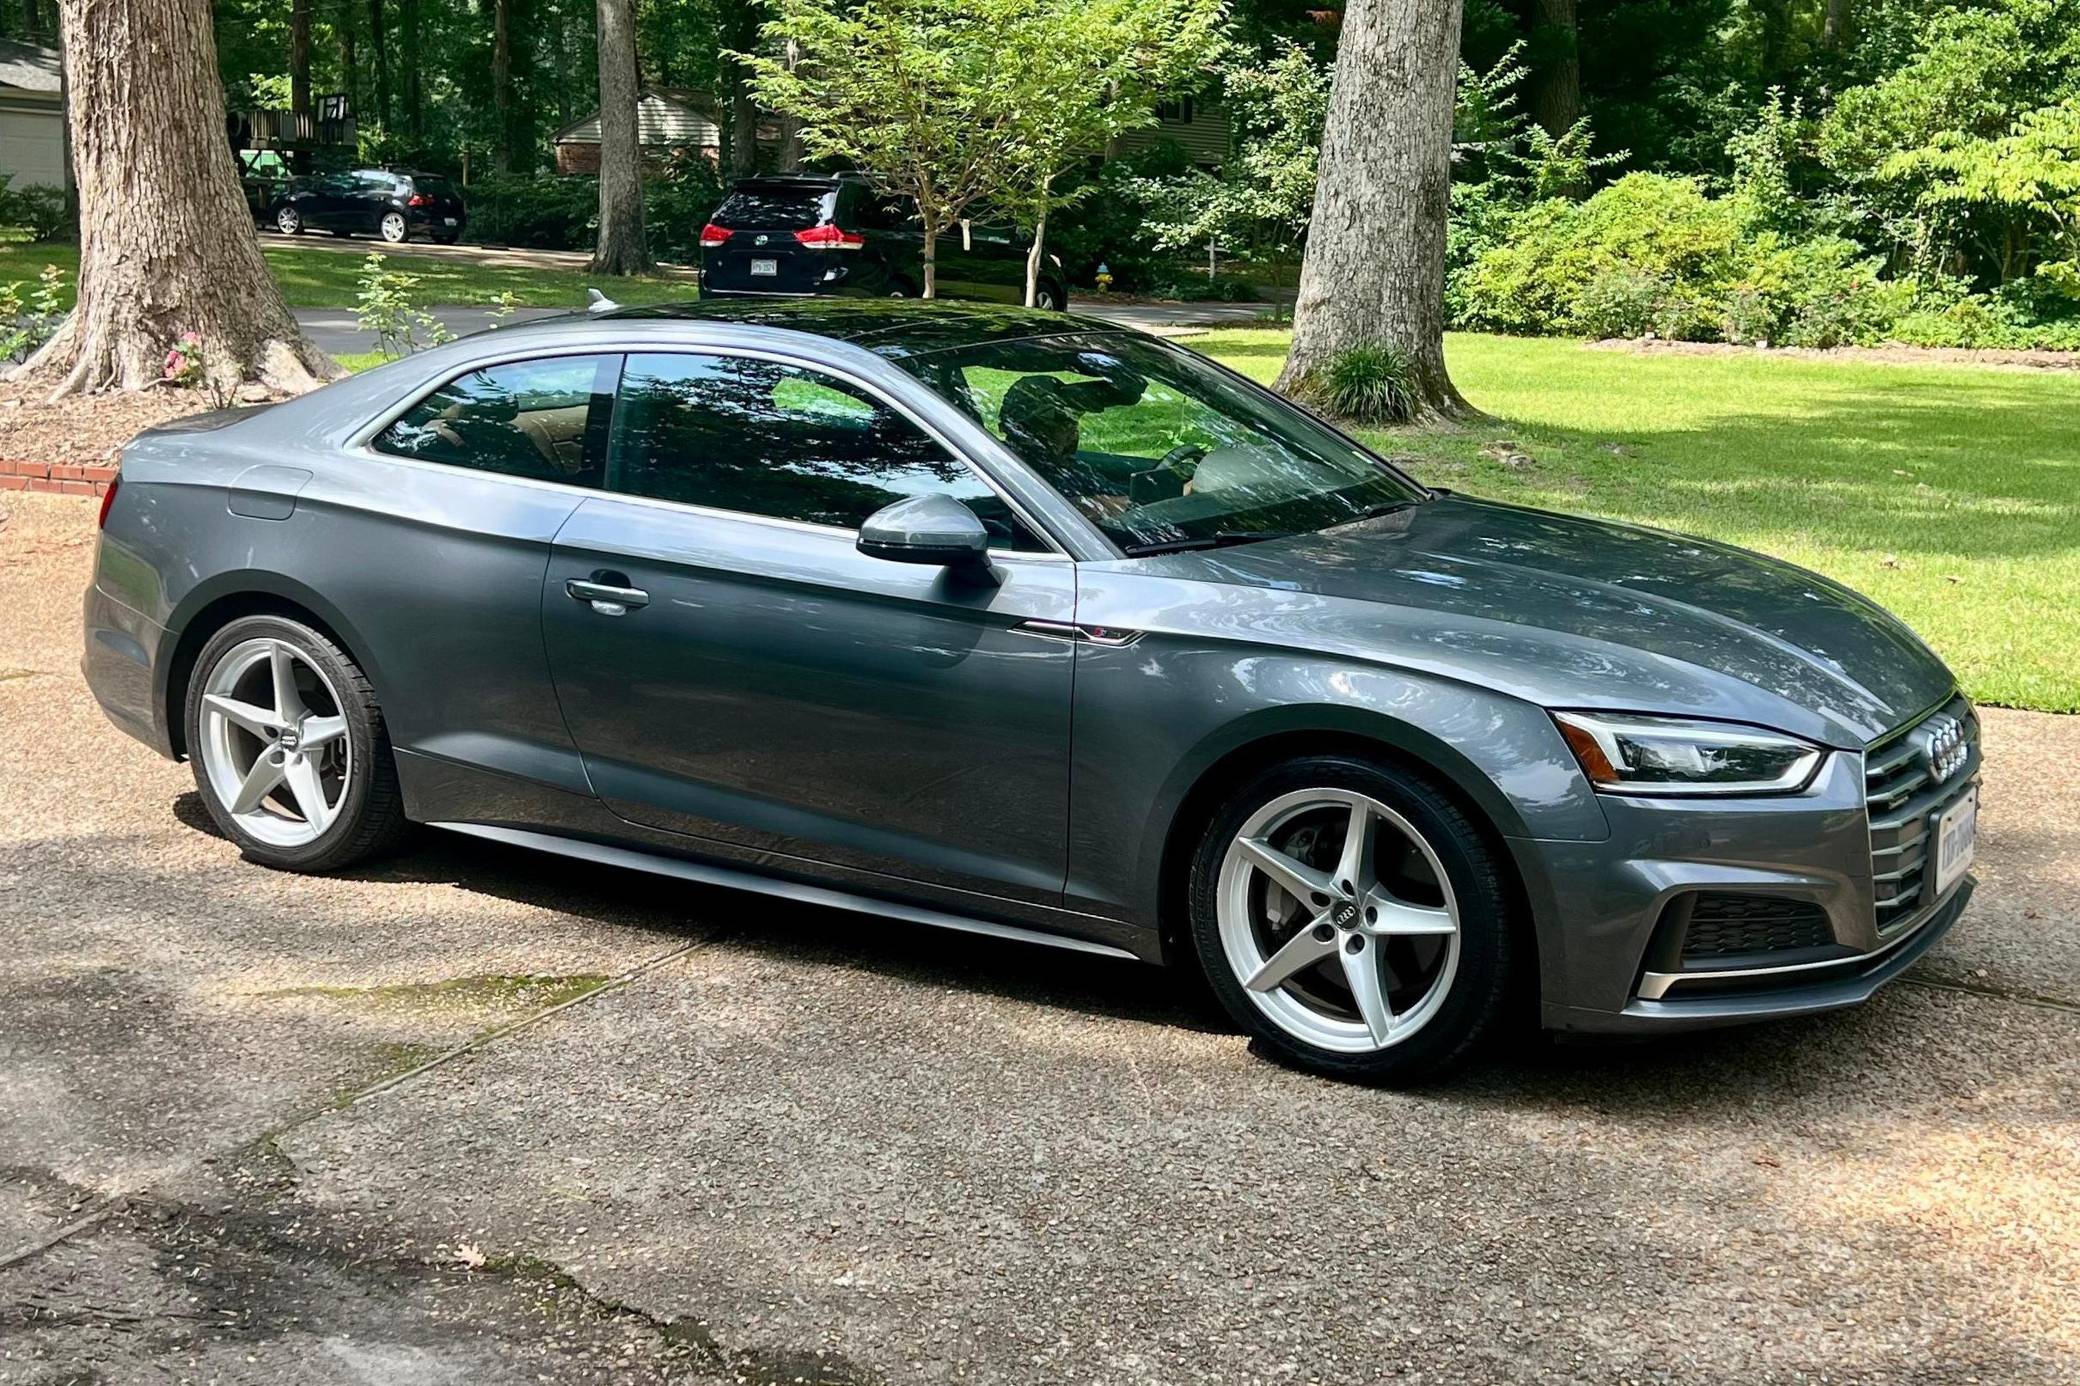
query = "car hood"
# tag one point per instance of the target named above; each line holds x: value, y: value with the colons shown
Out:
x: 1607, y: 599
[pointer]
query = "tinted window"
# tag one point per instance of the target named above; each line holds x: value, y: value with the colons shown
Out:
x: 775, y: 207
x: 433, y: 186
x: 1159, y: 447
x: 544, y: 419
x: 763, y: 438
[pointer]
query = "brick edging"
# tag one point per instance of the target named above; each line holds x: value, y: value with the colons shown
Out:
x: 65, y: 478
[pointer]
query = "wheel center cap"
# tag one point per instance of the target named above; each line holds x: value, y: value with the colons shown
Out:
x: 289, y: 739
x: 1345, y: 914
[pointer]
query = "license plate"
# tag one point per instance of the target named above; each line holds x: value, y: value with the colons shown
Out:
x: 765, y: 266
x: 447, y: 221
x: 1957, y: 840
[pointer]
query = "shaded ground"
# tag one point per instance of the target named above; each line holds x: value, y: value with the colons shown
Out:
x: 765, y: 1144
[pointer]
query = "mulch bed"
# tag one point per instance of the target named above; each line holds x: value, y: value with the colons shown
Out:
x: 70, y: 445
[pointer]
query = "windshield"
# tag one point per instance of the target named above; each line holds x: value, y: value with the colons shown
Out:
x: 1160, y: 448
x: 775, y: 207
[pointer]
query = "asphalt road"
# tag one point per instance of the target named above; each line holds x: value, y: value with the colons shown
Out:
x: 335, y: 329
x: 473, y: 1116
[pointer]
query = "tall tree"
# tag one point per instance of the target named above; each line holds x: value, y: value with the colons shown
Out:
x: 623, y: 246
x: 300, y: 77
x: 739, y: 32
x: 1374, y: 268
x: 349, y: 60
x: 502, y: 85
x: 379, y: 39
x: 414, y: 55
x: 147, y: 131
x: 1554, y: 96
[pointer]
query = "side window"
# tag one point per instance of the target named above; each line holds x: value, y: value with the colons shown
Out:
x: 544, y: 419
x: 764, y: 438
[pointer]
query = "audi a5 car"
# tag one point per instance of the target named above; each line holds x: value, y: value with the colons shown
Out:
x: 1013, y: 622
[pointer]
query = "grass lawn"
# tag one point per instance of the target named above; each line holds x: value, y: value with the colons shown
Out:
x: 1949, y: 494
x: 317, y: 277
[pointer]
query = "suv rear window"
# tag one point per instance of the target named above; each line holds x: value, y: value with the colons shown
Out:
x: 776, y: 207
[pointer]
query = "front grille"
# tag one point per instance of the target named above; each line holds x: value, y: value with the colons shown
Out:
x: 1903, y: 796
x: 1723, y: 925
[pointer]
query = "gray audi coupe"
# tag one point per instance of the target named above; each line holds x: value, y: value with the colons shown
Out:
x: 1023, y: 624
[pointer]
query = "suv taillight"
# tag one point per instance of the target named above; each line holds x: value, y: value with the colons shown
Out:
x: 108, y: 498
x: 713, y: 235
x: 831, y: 238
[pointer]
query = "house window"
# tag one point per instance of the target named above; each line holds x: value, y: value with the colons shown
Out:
x: 1180, y: 110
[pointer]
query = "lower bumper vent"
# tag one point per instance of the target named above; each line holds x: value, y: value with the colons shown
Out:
x: 1727, y: 925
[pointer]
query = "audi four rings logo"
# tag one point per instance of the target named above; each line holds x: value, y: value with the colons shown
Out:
x: 1945, y: 749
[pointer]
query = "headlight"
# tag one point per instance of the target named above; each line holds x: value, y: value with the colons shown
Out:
x: 1627, y: 753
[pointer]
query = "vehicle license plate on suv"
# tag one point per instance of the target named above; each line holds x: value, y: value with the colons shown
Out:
x: 765, y: 266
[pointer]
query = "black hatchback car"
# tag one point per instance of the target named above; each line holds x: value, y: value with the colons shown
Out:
x: 800, y: 235
x: 376, y: 201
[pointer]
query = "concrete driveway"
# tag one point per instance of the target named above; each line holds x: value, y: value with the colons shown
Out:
x: 473, y: 1116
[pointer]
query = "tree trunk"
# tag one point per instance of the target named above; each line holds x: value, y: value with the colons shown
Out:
x: 502, y: 86
x: 147, y: 131
x: 379, y: 36
x: 414, y: 96
x: 1834, y: 27
x: 1034, y: 252
x: 743, y: 124
x: 788, y: 158
x: 1555, y: 96
x: 931, y: 261
x: 1374, y: 269
x: 300, y: 77
x: 349, y: 60
x: 623, y: 248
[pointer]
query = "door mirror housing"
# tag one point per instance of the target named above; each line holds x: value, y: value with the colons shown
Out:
x: 926, y: 529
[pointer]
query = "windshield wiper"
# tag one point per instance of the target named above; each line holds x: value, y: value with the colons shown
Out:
x: 1219, y: 539
x: 1386, y: 508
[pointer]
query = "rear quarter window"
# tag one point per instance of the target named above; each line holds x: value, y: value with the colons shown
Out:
x: 544, y: 419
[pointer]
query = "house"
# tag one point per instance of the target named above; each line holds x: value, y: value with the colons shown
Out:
x: 1196, y: 124
x: 32, y: 115
x: 668, y: 119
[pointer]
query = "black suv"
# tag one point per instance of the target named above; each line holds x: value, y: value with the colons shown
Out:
x: 384, y: 202
x: 832, y: 234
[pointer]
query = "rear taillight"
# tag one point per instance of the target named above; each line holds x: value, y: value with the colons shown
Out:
x: 108, y: 498
x: 713, y: 235
x: 831, y: 238
x: 418, y: 200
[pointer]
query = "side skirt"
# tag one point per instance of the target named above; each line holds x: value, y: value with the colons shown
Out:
x: 706, y: 874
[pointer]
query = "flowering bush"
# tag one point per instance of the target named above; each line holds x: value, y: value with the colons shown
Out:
x: 183, y: 360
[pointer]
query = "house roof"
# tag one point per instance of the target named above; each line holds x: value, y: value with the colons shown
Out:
x: 28, y: 66
x: 664, y: 116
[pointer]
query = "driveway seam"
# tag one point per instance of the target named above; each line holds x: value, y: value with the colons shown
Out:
x: 113, y: 1202
x: 2020, y: 998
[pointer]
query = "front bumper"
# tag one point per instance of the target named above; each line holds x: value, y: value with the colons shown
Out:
x: 1611, y: 916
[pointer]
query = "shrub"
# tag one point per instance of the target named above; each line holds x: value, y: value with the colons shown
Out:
x: 388, y: 306
x: 538, y: 212
x: 28, y: 316
x: 678, y: 199
x: 1371, y: 384
x: 35, y: 213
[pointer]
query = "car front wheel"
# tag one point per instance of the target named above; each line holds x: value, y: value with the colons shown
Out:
x: 1353, y: 919
x: 289, y: 748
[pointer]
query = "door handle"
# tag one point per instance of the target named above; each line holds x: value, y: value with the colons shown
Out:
x: 605, y: 598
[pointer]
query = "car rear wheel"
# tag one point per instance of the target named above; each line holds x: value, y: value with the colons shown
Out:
x: 288, y: 221
x: 394, y: 228
x: 289, y: 749
x: 1049, y: 296
x: 1353, y: 919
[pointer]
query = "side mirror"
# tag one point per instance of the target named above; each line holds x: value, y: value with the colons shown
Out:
x: 926, y: 529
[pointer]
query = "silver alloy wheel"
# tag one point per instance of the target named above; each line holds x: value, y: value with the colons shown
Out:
x: 274, y: 742
x: 288, y: 221
x: 393, y: 226
x: 1044, y: 299
x: 1339, y: 920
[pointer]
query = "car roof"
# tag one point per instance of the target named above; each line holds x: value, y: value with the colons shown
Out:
x: 888, y: 327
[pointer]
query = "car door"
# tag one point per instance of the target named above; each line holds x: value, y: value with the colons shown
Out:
x: 733, y: 668
x: 434, y: 542
x: 980, y: 261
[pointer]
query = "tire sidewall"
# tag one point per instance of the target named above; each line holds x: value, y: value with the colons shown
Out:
x: 1479, y: 983
x: 364, y: 741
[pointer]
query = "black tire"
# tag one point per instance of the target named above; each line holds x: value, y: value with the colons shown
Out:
x: 371, y: 817
x: 1051, y: 296
x: 1473, y: 1003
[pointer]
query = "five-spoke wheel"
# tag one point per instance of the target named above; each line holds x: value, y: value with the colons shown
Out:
x: 289, y: 748
x: 1352, y: 917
